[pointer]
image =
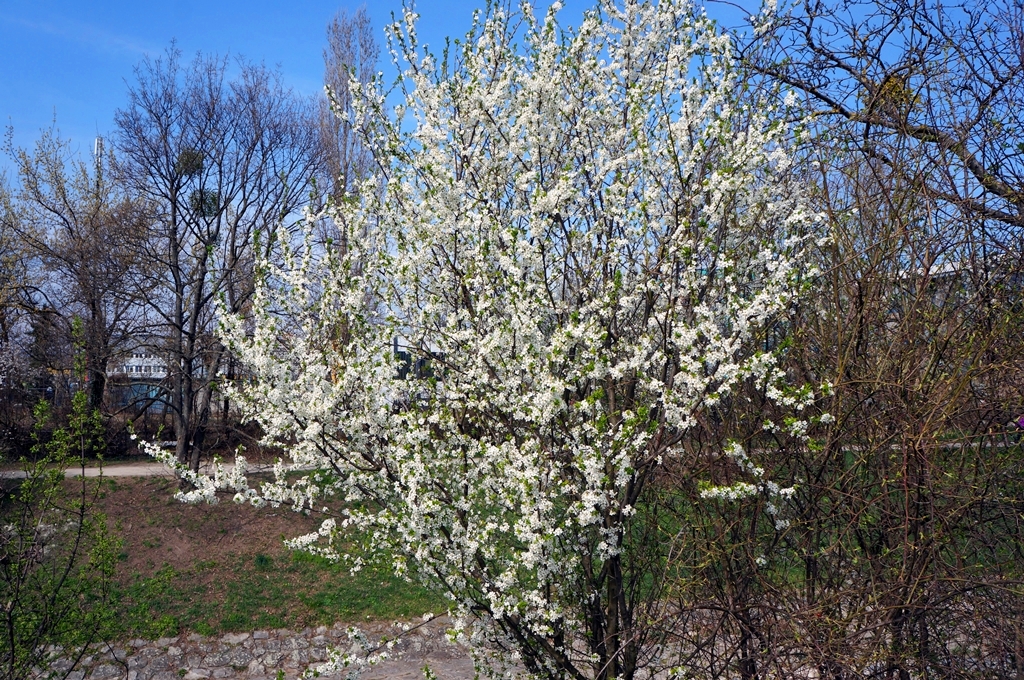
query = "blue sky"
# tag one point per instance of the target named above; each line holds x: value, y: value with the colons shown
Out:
x: 72, y: 59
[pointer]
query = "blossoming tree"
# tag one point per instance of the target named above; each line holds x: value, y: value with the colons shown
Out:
x: 578, y: 241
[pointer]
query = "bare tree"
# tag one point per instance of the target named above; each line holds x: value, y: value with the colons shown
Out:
x: 222, y: 160
x: 946, y: 81
x: 12, y: 261
x: 13, y: 270
x: 14, y: 279
x: 84, y: 229
x: 351, y: 55
x: 900, y: 550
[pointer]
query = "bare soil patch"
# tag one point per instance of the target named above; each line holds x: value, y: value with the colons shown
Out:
x: 224, y: 568
x: 157, y: 530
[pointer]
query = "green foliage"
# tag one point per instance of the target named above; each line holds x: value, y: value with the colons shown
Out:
x: 57, y: 558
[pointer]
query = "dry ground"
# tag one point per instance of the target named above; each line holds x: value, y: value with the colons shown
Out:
x: 225, y: 568
x: 158, y: 530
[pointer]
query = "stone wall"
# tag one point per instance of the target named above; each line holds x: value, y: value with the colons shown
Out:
x: 272, y: 654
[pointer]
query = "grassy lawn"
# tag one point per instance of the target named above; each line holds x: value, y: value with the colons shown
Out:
x: 224, y: 568
x: 284, y: 591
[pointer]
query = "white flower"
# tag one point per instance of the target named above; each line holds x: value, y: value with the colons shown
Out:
x: 523, y: 322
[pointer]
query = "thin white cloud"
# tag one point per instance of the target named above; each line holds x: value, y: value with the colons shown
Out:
x: 85, y: 34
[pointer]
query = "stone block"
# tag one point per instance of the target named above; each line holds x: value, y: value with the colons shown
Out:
x: 107, y: 671
x: 159, y: 663
x: 217, y: 659
x: 272, y: 659
x: 165, y: 675
x: 241, y: 657
x: 296, y: 643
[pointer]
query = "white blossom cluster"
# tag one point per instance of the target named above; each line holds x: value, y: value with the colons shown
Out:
x: 362, y: 654
x: 743, y: 489
x: 579, y: 237
x: 206, y: 486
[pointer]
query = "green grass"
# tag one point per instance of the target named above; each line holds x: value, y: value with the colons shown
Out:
x: 290, y: 590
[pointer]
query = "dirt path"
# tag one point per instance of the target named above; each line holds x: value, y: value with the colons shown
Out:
x: 124, y: 470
